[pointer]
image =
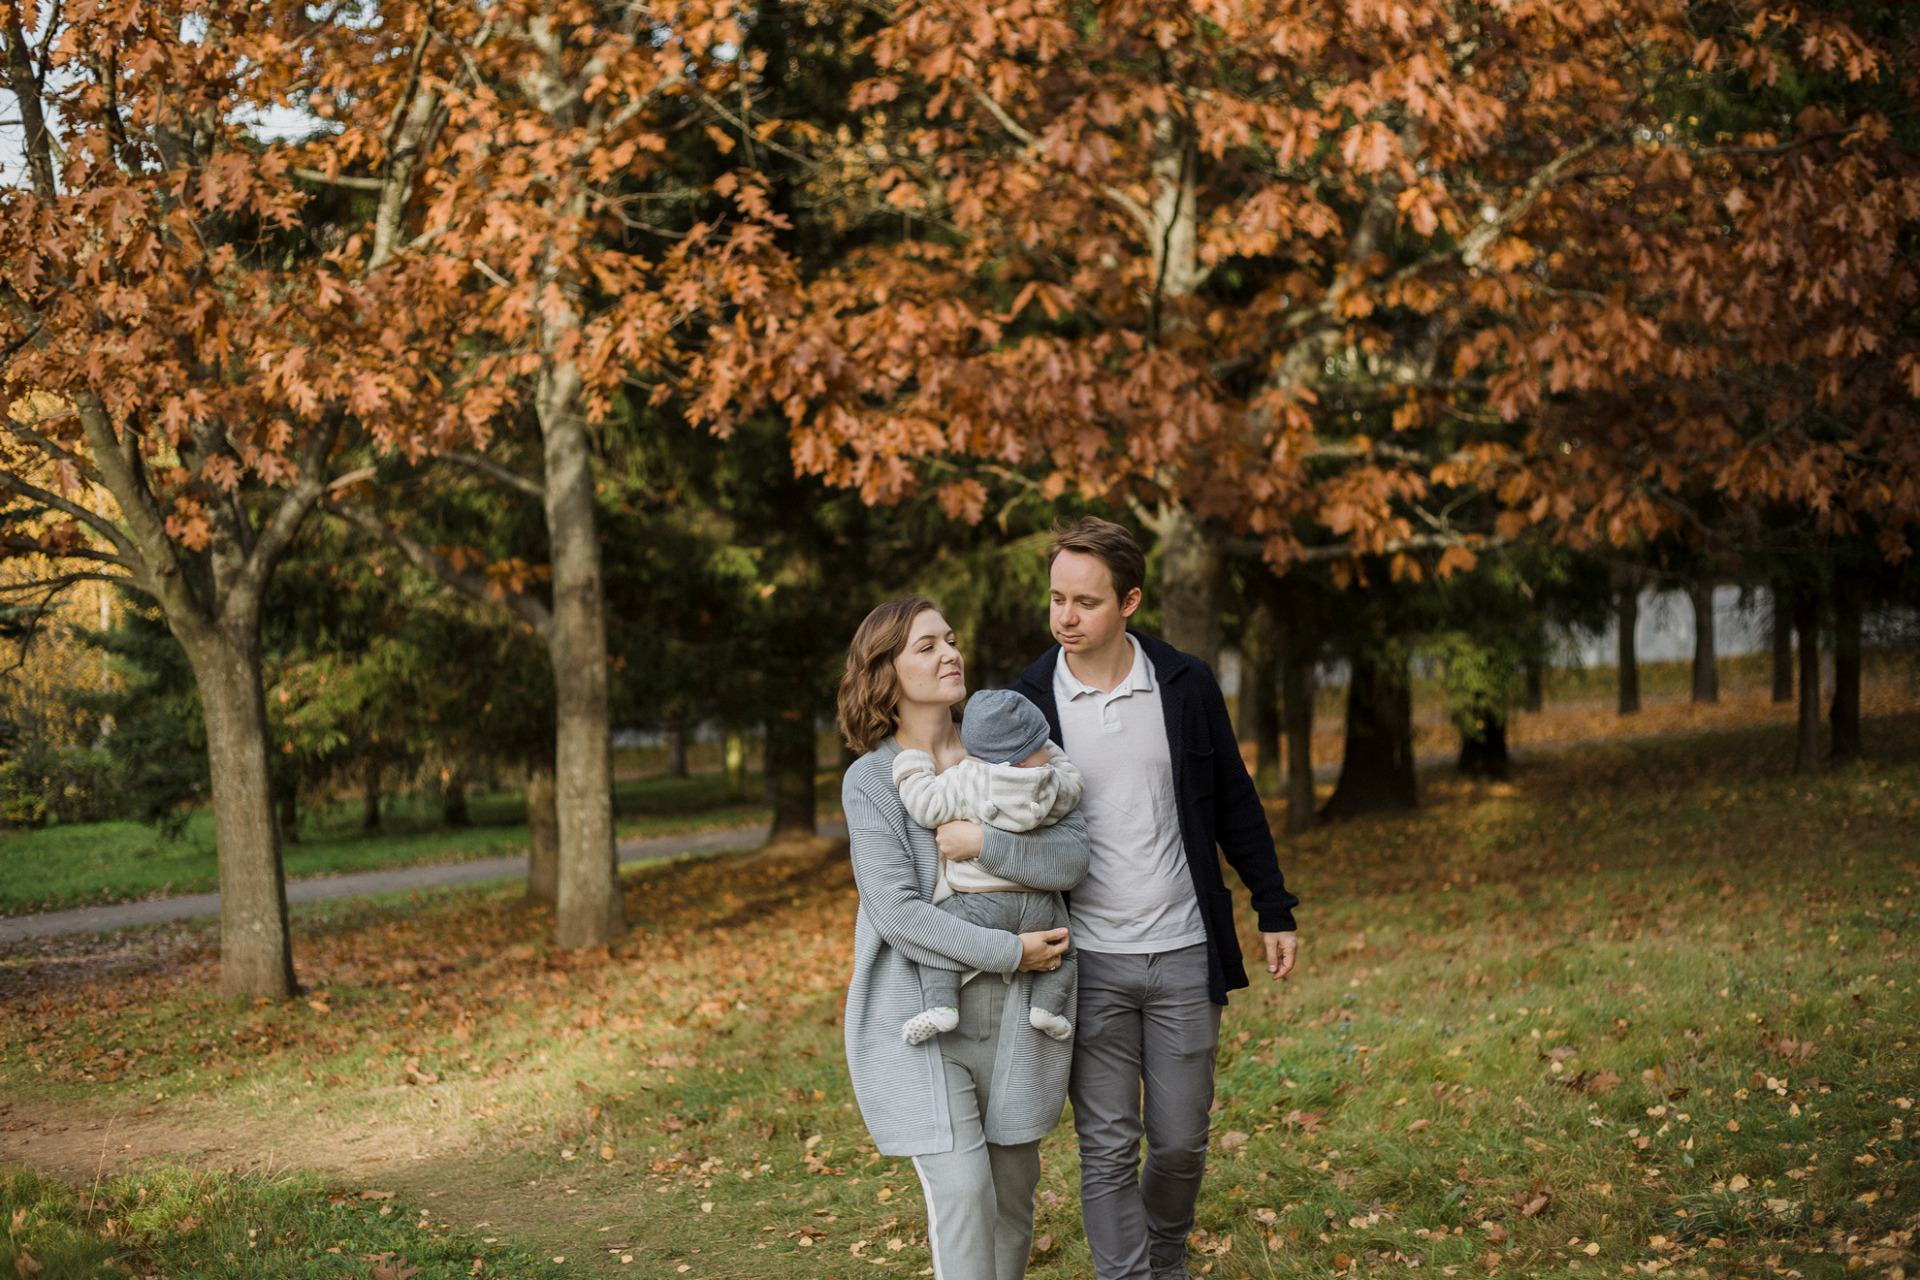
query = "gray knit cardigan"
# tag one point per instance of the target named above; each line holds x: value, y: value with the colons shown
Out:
x: 901, y: 1087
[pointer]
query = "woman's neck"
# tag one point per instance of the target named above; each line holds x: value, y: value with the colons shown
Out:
x: 928, y: 728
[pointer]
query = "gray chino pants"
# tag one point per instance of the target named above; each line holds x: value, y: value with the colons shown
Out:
x: 979, y: 1194
x: 1143, y: 1060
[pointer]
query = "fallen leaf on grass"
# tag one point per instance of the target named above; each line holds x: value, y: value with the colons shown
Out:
x: 1788, y: 1047
x: 1306, y: 1121
x: 1534, y: 1200
x: 395, y: 1270
x: 1232, y: 1140
x: 1341, y: 1262
x: 1042, y: 1244
x: 376, y: 1195
x: 26, y: 1264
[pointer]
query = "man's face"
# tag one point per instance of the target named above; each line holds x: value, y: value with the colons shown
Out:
x: 1084, y: 613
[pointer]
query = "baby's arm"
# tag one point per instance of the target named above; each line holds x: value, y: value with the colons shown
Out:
x: 1071, y: 785
x: 930, y: 798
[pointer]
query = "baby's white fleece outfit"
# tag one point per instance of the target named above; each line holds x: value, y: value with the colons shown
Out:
x: 1011, y: 798
x: 1001, y: 795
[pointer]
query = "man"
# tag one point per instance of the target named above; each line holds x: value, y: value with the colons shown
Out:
x: 1153, y: 921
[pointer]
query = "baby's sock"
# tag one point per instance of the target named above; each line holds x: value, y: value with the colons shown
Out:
x: 1050, y: 1023
x: 922, y: 1026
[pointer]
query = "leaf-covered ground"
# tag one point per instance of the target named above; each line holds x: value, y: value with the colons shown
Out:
x: 1646, y: 1008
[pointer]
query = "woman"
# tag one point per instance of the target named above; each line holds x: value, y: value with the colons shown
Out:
x: 970, y: 1105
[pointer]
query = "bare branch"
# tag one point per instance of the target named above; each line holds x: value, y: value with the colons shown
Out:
x: 1348, y: 551
x: 295, y: 503
x: 502, y: 474
x: 92, y: 519
x: 439, y: 568
x: 720, y: 110
x: 54, y: 447
x: 349, y: 181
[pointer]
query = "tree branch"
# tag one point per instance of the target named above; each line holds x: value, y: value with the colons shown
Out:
x: 92, y: 519
x: 439, y: 568
x: 505, y: 476
x: 295, y: 503
x: 349, y: 181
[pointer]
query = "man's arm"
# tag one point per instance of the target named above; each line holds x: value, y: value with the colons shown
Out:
x: 1240, y: 822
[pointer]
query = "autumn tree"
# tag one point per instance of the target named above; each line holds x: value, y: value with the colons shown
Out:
x: 562, y: 240
x: 181, y: 340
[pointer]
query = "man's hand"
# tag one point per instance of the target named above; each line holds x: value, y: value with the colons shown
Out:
x: 959, y: 841
x: 1281, y: 949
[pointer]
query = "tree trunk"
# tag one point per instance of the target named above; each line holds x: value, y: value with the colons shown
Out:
x: 543, y: 834
x: 1296, y: 714
x: 677, y: 746
x: 1260, y: 696
x: 1377, y: 771
x: 453, y: 801
x: 1191, y: 574
x: 256, y: 954
x: 1782, y: 646
x: 1535, y: 668
x: 287, y: 798
x: 589, y: 911
x: 1844, y: 716
x: 1806, y: 623
x: 370, y: 794
x: 1627, y: 664
x: 1706, y: 674
x: 789, y: 759
x: 1483, y: 749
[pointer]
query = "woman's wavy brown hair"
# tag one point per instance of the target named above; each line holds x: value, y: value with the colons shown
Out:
x: 870, y: 689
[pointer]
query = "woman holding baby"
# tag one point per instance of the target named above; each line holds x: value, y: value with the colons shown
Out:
x: 960, y: 847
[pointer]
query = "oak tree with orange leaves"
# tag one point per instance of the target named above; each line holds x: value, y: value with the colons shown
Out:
x: 185, y: 357
x: 552, y: 251
x: 1371, y: 284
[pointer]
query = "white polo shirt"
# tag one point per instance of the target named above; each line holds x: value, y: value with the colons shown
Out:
x: 1138, y: 895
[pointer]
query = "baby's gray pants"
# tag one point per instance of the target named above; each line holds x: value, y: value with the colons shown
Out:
x: 1015, y: 912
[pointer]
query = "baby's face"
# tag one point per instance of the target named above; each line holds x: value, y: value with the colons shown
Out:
x: 1035, y: 761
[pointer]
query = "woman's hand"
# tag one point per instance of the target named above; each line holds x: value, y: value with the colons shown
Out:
x: 959, y: 841
x: 1042, y: 950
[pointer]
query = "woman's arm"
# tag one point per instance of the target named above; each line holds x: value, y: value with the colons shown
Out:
x: 1046, y: 858
x: 890, y: 892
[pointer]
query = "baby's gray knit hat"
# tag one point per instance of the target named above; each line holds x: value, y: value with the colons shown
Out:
x: 1002, y: 727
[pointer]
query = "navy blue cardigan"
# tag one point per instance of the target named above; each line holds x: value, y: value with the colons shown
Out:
x: 1216, y: 799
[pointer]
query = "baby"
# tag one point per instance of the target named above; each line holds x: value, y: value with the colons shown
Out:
x: 1016, y: 780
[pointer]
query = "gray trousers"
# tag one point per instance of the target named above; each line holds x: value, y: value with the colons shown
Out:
x: 1015, y: 912
x: 979, y: 1194
x: 1143, y: 1062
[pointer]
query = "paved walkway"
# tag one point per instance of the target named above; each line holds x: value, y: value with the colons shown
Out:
x: 187, y: 907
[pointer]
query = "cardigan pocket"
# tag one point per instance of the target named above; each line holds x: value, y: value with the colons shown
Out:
x: 1200, y: 772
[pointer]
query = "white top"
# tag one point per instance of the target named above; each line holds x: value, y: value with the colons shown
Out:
x: 1138, y: 895
x: 1001, y: 795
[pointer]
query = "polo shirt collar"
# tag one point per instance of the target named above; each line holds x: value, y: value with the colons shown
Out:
x: 1140, y: 679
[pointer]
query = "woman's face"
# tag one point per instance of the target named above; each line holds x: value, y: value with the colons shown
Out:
x: 929, y: 668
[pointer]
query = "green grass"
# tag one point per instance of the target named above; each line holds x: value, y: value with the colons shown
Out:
x: 85, y: 864
x: 1716, y: 956
x: 180, y: 1222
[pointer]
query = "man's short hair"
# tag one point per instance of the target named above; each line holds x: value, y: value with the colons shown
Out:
x: 1111, y: 545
